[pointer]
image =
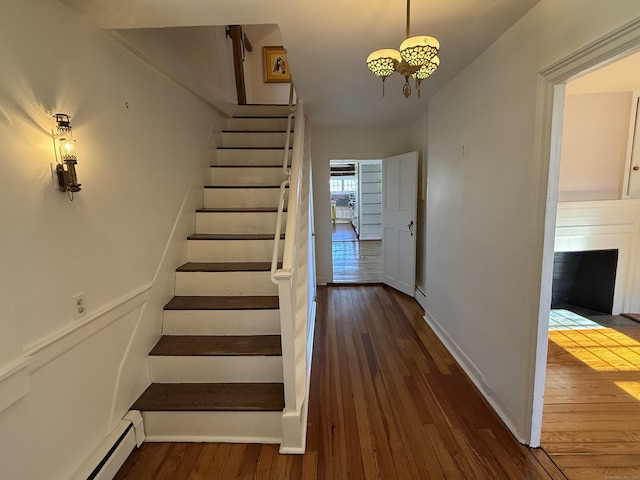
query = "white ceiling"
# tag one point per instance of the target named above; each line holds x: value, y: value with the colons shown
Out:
x: 328, y: 42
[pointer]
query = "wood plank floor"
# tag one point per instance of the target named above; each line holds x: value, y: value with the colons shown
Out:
x: 591, y: 419
x: 387, y: 402
x: 343, y: 232
x: 357, y: 262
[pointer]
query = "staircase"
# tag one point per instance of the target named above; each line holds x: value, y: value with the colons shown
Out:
x: 217, y: 370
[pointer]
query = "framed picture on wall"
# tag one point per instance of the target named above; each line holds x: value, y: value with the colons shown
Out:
x: 276, y: 67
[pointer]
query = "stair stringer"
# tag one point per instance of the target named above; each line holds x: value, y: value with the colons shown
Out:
x: 149, y: 324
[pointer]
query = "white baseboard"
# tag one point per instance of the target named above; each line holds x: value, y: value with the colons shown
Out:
x: 106, y: 460
x: 421, y: 298
x: 475, y: 375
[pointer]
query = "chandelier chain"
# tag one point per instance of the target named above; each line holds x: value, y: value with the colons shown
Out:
x: 408, y: 19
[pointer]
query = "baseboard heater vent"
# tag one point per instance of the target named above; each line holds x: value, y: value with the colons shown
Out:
x: 105, y: 462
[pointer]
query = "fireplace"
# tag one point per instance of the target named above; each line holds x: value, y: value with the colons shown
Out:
x: 585, y: 279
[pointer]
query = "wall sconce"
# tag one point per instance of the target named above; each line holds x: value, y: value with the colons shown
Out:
x: 66, y: 158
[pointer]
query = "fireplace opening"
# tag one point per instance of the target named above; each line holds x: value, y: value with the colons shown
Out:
x: 585, y: 279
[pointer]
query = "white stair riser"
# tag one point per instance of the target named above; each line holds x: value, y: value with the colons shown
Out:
x: 250, y: 156
x: 262, y: 111
x: 227, y: 427
x: 232, y: 250
x: 221, y: 322
x: 215, y: 369
x: 277, y: 124
x: 225, y: 283
x: 241, y: 197
x: 254, y: 139
x: 237, y: 222
x: 221, y: 176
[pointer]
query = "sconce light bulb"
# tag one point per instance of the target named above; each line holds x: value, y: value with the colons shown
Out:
x: 66, y: 170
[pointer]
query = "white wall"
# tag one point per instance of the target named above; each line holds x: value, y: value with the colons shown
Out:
x: 344, y: 143
x: 142, y: 142
x: 199, y: 58
x: 483, y: 249
x: 594, y: 145
x: 257, y: 90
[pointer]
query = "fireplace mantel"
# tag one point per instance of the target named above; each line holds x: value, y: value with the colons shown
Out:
x: 605, y: 225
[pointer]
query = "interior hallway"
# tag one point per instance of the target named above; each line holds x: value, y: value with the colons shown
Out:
x: 387, y: 401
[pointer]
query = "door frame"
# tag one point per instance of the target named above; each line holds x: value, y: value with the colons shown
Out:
x: 548, y: 132
x: 633, y: 142
x: 358, y: 162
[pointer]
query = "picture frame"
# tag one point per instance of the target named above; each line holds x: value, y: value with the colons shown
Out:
x: 275, y: 65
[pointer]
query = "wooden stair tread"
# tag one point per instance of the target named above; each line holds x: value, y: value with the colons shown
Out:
x: 226, y: 267
x: 223, y: 303
x: 253, y: 165
x: 211, y: 397
x: 260, y: 116
x: 263, y: 105
x: 242, y: 186
x: 232, y: 236
x: 239, y: 210
x: 246, y: 166
x: 210, y: 345
x: 254, y: 131
x: 252, y: 148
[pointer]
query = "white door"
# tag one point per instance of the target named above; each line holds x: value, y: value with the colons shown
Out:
x: 399, y: 207
x: 633, y: 156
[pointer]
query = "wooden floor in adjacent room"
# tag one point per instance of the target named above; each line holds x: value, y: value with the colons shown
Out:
x: 355, y: 261
x: 591, y: 420
x: 387, y: 402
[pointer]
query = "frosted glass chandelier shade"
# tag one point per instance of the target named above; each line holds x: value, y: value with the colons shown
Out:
x: 382, y: 62
x: 426, y: 70
x: 418, y: 51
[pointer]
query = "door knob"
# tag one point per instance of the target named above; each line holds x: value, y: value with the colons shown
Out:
x: 410, y: 226
x: 636, y: 168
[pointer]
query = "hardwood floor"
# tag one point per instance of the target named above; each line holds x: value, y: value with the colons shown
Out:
x: 591, y: 419
x: 355, y: 261
x: 343, y: 232
x: 387, y: 402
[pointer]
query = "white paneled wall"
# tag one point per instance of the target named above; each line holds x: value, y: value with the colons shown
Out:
x: 370, y: 180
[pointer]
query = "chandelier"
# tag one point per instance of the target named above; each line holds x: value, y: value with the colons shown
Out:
x: 416, y: 58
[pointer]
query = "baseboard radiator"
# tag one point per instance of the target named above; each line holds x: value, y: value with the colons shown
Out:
x: 106, y: 460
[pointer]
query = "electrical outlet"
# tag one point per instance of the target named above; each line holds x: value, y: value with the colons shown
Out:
x: 79, y: 307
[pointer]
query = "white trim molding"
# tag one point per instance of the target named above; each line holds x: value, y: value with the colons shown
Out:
x: 47, y: 349
x: 421, y: 298
x: 106, y: 460
x: 14, y: 381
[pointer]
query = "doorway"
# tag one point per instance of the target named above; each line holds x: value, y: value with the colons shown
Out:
x: 584, y: 365
x: 356, y: 194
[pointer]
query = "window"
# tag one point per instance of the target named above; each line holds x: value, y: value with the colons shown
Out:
x: 343, y: 184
